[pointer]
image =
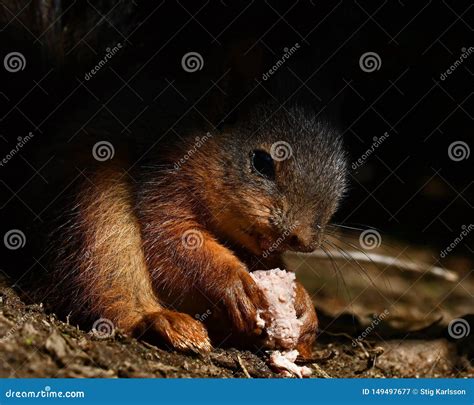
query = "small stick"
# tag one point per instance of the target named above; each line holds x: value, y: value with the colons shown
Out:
x: 358, y: 342
x: 320, y: 372
x: 244, y: 369
x: 401, y: 264
x: 302, y: 361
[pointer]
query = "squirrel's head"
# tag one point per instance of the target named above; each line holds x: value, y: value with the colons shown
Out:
x: 277, y: 178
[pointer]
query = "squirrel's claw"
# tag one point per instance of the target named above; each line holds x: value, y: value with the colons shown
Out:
x: 176, y: 330
x: 243, y: 300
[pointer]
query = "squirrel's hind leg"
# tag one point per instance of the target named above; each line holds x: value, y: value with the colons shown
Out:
x: 109, y: 274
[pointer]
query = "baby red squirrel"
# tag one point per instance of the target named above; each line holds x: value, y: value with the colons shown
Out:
x: 181, y: 237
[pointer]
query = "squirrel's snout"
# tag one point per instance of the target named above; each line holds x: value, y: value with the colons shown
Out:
x: 301, y: 241
x: 299, y: 245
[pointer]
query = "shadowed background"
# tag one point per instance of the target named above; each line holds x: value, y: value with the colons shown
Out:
x: 408, y: 188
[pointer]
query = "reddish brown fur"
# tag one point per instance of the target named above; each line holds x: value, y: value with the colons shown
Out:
x: 124, y: 263
x: 194, y: 280
x: 127, y: 259
x: 111, y: 273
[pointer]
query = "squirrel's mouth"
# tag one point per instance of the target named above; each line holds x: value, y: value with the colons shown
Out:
x: 265, y: 243
x: 270, y: 245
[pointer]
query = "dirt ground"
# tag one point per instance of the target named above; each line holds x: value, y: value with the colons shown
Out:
x: 36, y: 344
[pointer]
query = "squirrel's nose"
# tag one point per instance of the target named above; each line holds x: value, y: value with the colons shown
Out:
x: 301, y: 243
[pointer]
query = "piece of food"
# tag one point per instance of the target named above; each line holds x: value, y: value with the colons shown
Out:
x: 283, y: 328
x: 285, y: 362
x: 279, y: 287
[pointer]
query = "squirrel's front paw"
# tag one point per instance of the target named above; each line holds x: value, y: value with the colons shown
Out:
x: 244, y: 301
x: 175, y: 329
x: 307, y: 315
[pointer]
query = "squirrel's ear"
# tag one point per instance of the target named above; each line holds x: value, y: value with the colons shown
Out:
x: 241, y: 66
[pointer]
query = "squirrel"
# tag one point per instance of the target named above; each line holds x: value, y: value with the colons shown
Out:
x: 180, y: 237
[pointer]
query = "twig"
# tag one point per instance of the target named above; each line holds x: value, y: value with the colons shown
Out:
x: 346, y: 335
x: 435, y: 363
x: 320, y: 372
x: 244, y: 369
x: 358, y: 342
x: 401, y: 264
x: 303, y: 361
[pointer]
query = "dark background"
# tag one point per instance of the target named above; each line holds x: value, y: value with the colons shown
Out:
x: 409, y: 188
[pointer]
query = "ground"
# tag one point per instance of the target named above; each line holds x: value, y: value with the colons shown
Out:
x: 36, y: 344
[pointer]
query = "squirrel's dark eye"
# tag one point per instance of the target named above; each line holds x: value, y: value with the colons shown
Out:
x: 262, y: 162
